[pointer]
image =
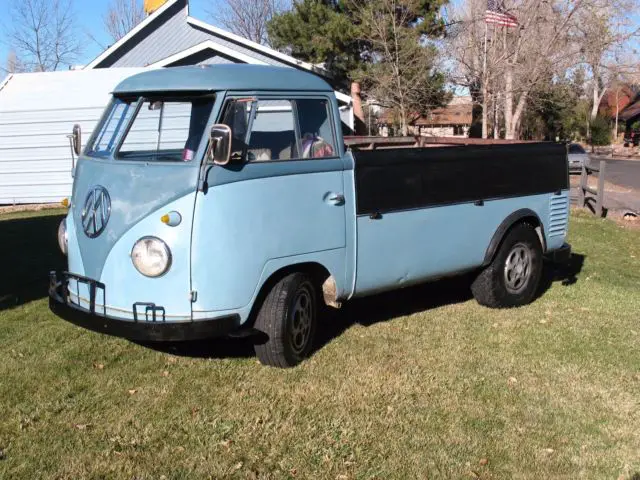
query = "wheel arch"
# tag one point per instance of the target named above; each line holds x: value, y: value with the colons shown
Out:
x: 319, y: 272
x: 524, y: 215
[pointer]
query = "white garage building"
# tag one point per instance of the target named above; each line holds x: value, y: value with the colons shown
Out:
x: 38, y: 110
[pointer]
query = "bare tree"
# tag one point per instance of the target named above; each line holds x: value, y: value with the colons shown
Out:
x: 248, y: 18
x: 122, y: 16
x: 43, y: 33
x: 13, y: 64
x: 553, y: 37
x: 605, y: 33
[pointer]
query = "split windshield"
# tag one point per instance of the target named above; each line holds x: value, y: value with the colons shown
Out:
x: 156, y: 129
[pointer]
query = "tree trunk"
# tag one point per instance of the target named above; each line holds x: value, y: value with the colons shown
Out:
x: 484, y: 111
x: 596, y: 102
x: 514, y: 123
x: 615, y: 128
x: 508, y: 103
x: 403, y: 122
x: 495, y: 119
x: 484, y: 85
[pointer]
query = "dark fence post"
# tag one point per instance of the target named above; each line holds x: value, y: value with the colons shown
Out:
x: 597, y: 193
x: 600, y: 194
x: 584, y: 176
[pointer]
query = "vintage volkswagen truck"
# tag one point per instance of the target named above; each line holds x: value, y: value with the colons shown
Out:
x: 222, y: 199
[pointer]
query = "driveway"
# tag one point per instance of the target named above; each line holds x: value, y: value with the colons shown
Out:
x: 625, y: 173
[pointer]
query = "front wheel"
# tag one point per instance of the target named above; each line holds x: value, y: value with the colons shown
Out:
x: 512, y: 278
x: 288, y: 317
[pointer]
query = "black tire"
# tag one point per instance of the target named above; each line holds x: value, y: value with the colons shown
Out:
x: 291, y: 304
x: 513, y: 276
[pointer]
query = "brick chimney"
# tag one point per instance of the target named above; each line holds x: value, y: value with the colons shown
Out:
x: 151, y: 6
x: 358, y: 113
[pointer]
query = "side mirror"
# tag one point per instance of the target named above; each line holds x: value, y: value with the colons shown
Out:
x: 219, y: 144
x: 77, y: 139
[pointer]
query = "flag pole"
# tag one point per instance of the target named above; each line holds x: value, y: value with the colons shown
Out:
x: 484, y: 85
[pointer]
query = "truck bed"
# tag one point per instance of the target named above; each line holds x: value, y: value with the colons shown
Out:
x: 430, y: 211
x: 401, y: 176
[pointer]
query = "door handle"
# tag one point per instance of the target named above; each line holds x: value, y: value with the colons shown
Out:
x: 335, y: 199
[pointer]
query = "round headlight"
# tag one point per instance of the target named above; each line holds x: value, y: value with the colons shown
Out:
x: 151, y: 256
x: 62, y: 236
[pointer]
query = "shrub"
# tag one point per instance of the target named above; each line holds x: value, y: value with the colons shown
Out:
x: 600, y: 132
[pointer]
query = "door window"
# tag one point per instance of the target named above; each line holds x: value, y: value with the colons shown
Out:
x: 276, y: 130
x: 316, y: 129
x: 273, y: 135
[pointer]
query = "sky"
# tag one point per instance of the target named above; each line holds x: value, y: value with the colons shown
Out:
x: 90, y: 14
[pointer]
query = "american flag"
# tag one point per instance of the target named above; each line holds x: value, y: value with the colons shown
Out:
x: 495, y: 14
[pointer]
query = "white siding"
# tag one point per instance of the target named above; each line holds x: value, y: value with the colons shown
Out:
x: 37, y: 112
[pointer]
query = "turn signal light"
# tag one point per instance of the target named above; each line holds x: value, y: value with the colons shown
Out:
x: 65, y: 202
x: 172, y: 219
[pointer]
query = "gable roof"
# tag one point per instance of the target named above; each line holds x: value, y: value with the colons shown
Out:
x: 170, y: 36
x: 203, y: 47
x: 457, y: 112
x: 134, y: 31
x: 180, y: 8
x: 256, y: 46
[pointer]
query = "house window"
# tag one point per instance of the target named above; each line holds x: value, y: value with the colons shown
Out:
x: 458, y: 130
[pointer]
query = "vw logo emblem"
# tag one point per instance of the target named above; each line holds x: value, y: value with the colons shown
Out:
x: 96, y: 211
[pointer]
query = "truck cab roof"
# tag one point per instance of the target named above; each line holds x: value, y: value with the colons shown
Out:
x: 222, y: 77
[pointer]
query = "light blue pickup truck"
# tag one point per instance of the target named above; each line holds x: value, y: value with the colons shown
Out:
x: 218, y: 200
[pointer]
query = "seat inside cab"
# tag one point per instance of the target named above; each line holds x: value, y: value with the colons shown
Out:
x: 272, y: 133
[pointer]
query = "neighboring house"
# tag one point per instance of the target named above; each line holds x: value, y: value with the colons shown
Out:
x: 630, y: 114
x: 453, y: 120
x: 616, y: 100
x: 38, y: 110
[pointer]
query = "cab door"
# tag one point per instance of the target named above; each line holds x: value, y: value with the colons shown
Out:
x: 279, y: 201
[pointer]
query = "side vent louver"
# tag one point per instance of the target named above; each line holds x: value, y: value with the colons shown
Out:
x: 558, y: 215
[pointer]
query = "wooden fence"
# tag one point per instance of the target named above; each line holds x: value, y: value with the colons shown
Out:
x: 588, y: 196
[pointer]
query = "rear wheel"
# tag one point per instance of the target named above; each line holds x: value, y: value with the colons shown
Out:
x: 512, y: 278
x: 288, y: 317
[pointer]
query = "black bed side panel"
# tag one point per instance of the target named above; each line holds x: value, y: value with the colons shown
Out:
x: 399, y: 179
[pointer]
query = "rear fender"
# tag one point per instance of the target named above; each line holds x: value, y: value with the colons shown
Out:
x: 505, y: 226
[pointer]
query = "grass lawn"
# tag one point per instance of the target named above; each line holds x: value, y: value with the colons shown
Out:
x: 422, y: 383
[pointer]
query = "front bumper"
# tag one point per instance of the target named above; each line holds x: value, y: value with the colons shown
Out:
x: 560, y: 255
x: 150, y: 327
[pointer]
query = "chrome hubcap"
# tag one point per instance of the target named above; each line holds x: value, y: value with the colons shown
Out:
x: 517, y: 269
x: 302, y: 319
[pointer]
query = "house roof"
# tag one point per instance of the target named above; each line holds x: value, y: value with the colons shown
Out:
x: 222, y: 77
x: 631, y: 111
x: 134, y: 31
x: 256, y: 46
x: 452, y: 114
x: 202, y: 47
x: 180, y: 8
x: 171, y: 37
x: 616, y: 99
x: 459, y: 114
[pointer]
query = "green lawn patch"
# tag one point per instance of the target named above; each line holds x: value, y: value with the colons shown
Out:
x: 422, y: 383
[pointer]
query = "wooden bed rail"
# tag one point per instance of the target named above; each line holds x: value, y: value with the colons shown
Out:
x: 377, y: 143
